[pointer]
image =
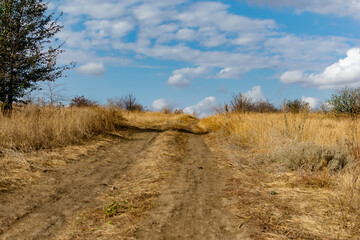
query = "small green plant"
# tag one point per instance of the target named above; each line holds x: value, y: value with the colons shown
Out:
x: 116, y: 208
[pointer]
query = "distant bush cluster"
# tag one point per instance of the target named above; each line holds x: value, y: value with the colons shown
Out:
x: 295, y: 106
x: 243, y: 103
x: 129, y: 103
x: 345, y: 102
x: 81, y: 101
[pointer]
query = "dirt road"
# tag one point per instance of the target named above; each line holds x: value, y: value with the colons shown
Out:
x: 169, y: 186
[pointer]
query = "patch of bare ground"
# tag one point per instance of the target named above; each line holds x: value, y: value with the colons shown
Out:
x: 190, y: 205
x: 275, y: 204
x: 136, y: 190
x: 173, y: 192
x: 76, y: 176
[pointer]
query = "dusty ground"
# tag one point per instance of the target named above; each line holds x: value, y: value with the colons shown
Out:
x: 164, y: 185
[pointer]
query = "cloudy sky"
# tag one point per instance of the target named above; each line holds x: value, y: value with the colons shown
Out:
x: 195, y: 54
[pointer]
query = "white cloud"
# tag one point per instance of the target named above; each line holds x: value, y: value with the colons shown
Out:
x: 159, y: 104
x: 223, y: 41
x: 106, y: 28
x: 345, y: 72
x: 96, y: 8
x: 227, y: 72
x: 314, y: 103
x: 92, y: 69
x: 181, y: 77
x: 291, y: 77
x: 255, y: 94
x: 337, y: 7
x: 204, y: 108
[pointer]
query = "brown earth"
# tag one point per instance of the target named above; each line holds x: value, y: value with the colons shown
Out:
x: 164, y: 185
x: 170, y: 178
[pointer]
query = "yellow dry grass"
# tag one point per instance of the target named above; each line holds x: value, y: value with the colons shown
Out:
x: 33, y: 127
x: 292, y: 154
x: 264, y: 132
x: 163, y: 121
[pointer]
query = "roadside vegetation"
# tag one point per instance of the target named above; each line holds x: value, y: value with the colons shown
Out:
x: 314, y: 153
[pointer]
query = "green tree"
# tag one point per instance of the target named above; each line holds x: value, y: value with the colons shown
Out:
x: 345, y: 101
x: 27, y: 56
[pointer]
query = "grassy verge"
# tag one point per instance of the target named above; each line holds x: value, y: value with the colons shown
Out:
x: 312, y: 158
x: 34, y: 127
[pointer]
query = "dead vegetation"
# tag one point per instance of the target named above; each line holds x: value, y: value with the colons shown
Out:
x: 299, y: 173
x: 34, y: 128
x: 296, y: 173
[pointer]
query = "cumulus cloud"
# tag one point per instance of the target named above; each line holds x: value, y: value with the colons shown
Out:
x: 345, y: 72
x: 159, y: 104
x: 92, y: 69
x: 204, y: 108
x: 255, y: 94
x: 220, y: 40
x: 292, y: 77
x: 337, y: 7
x: 106, y: 28
x: 314, y: 103
x: 181, y: 77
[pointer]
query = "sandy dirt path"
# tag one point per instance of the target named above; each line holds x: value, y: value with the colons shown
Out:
x: 167, y: 184
x: 171, y: 178
x: 190, y: 205
x: 41, y: 210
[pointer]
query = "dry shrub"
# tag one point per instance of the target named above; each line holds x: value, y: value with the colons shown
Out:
x: 304, y: 142
x: 81, y: 101
x: 34, y: 127
x: 320, y: 179
x: 348, y: 200
x: 349, y: 185
x: 166, y: 110
x: 307, y: 156
x: 178, y: 111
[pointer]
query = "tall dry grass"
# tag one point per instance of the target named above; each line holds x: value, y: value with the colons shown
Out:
x: 36, y: 127
x: 265, y: 132
x: 320, y: 149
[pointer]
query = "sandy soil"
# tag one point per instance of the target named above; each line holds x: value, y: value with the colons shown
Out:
x: 167, y: 185
x: 170, y: 177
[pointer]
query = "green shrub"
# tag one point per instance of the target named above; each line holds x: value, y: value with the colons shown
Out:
x: 345, y: 101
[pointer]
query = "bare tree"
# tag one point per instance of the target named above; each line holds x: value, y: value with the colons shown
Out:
x: 54, y: 93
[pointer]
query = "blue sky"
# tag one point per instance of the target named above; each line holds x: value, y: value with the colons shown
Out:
x: 195, y: 54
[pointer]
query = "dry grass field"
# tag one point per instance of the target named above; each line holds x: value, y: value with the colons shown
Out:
x: 308, y: 162
x: 106, y: 173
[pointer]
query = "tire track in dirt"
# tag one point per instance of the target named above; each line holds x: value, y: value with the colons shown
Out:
x: 191, y: 205
x: 43, y: 209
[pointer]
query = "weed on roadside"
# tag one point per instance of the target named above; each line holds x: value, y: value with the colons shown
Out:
x: 116, y: 208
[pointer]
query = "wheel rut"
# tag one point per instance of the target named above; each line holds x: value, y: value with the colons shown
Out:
x: 190, y: 205
x: 41, y: 210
